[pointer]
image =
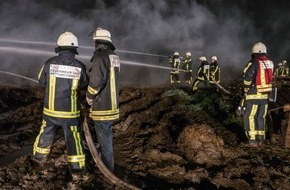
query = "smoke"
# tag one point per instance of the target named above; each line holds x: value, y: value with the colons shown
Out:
x: 227, y: 29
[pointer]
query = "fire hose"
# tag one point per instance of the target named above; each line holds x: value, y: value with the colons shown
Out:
x: 107, y: 173
x: 220, y: 87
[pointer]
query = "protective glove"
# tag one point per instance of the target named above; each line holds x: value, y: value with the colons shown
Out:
x: 246, y: 90
x: 89, y: 101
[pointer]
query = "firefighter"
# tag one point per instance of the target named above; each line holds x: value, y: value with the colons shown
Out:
x: 103, y: 93
x: 284, y: 62
x: 257, y: 81
x: 214, y: 71
x: 170, y: 59
x: 187, y: 66
x: 280, y: 71
x: 175, y: 64
x: 62, y: 78
x: 202, y: 73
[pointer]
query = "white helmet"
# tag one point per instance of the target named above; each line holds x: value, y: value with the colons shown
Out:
x: 188, y: 54
x: 102, y: 34
x: 214, y: 58
x: 176, y: 53
x: 280, y: 64
x: 67, y: 39
x: 284, y: 62
x: 202, y: 58
x: 259, y: 48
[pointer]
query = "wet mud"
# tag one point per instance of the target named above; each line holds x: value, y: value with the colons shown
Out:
x: 166, y: 138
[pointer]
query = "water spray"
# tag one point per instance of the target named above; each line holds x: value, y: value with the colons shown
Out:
x: 26, y: 42
x: 20, y: 76
x: 37, y: 52
x: 145, y: 65
x: 84, y: 47
x: 87, y: 57
x: 26, y: 51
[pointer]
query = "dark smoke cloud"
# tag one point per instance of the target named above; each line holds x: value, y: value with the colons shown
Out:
x: 224, y: 28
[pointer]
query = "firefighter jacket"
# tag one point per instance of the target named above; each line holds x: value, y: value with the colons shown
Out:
x: 187, y: 64
x: 170, y: 60
x: 287, y: 70
x: 62, y: 77
x: 258, y: 77
x: 214, y: 72
x: 104, y: 85
x: 203, y: 71
x: 175, y: 64
x: 280, y: 71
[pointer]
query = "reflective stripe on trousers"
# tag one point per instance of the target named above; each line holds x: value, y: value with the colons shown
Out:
x: 254, y: 120
x: 44, y: 140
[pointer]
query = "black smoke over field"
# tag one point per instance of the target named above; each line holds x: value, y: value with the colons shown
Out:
x: 224, y: 28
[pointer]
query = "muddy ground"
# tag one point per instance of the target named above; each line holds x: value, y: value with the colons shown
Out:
x: 166, y: 138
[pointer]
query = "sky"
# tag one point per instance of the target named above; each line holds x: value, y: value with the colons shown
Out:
x: 145, y: 32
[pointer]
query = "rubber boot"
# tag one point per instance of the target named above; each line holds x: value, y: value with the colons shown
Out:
x: 39, y: 159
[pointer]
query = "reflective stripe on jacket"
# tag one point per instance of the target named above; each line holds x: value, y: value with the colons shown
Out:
x: 175, y: 64
x: 258, y: 77
x: 62, y: 77
x: 203, y: 71
x: 264, y: 74
x: 187, y: 62
x: 280, y: 71
x: 215, y: 71
x: 104, y: 85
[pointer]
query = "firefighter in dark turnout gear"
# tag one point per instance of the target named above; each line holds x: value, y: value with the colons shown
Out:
x: 187, y: 66
x: 202, y: 74
x: 170, y: 59
x: 175, y: 64
x: 62, y: 78
x: 280, y: 71
x: 257, y: 85
x: 103, y: 92
x: 284, y: 62
x: 214, y: 71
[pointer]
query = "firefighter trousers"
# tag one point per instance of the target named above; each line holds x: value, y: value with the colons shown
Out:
x: 196, y: 83
x: 255, y: 120
x: 174, y: 77
x: 188, y: 77
x: 72, y: 133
